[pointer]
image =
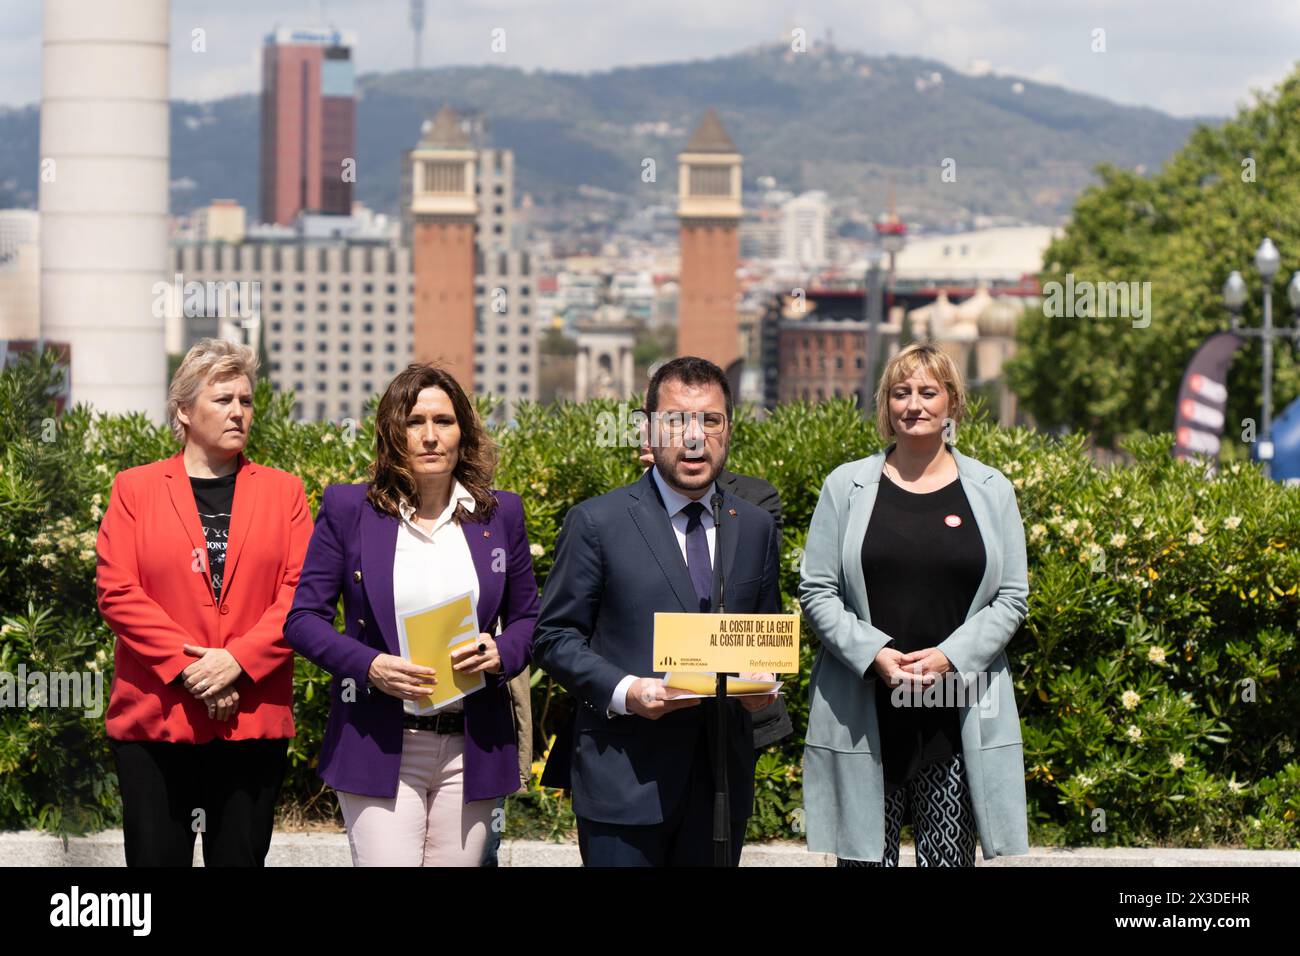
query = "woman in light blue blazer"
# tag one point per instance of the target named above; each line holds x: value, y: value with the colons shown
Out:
x: 912, y: 706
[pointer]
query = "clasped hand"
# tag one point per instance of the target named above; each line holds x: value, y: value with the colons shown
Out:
x: 915, y: 667
x: 211, y: 680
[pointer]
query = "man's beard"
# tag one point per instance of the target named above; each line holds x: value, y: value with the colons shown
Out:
x: 666, y: 460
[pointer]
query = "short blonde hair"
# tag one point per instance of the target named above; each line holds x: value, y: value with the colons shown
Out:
x: 929, y: 358
x: 208, y: 359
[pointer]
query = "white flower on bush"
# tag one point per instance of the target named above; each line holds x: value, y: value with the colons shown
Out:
x: 1130, y: 699
x: 1231, y: 522
x: 1084, y: 780
x: 1118, y: 540
x: 1117, y: 492
x: 1070, y: 526
x: 1134, y: 733
x: 327, y: 436
x: 1198, y: 524
x: 1194, y: 538
x: 1236, y: 786
x: 536, y: 550
x: 1136, y: 521
x: 1036, y: 532
x: 1156, y: 654
x: 1177, y: 761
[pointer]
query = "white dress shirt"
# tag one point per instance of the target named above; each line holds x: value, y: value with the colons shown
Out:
x: 433, y: 566
x: 674, y: 502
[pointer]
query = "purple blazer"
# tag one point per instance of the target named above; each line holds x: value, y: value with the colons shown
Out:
x: 351, y: 554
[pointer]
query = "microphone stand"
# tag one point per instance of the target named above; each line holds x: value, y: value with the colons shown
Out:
x: 721, y: 788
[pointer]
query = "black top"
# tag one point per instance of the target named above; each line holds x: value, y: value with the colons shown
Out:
x: 923, y: 560
x: 214, y: 498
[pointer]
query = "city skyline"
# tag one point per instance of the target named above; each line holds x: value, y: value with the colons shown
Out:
x: 1207, y: 68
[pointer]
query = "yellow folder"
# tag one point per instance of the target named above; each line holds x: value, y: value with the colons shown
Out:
x: 706, y: 685
x: 428, y: 636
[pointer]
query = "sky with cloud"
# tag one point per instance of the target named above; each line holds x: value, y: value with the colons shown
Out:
x: 1186, y: 57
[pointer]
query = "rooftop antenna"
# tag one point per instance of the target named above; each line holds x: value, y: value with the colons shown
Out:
x: 417, y: 26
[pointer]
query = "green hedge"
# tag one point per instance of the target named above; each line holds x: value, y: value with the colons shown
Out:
x: 1155, y: 674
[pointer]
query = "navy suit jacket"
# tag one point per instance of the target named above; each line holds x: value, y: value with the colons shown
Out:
x: 618, y: 562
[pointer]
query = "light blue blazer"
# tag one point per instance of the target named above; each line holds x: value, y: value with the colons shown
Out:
x: 844, y: 795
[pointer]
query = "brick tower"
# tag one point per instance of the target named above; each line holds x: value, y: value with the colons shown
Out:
x: 443, y: 209
x: 709, y: 210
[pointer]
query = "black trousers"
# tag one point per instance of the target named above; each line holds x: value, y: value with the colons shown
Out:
x: 685, y: 839
x: 225, y: 790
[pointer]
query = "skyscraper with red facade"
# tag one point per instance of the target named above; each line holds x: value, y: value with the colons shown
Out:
x: 308, y: 123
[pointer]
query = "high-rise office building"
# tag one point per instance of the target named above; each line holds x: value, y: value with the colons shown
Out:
x: 709, y: 210
x: 308, y: 124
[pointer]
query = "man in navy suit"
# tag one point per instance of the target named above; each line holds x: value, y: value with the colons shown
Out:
x: 641, y: 760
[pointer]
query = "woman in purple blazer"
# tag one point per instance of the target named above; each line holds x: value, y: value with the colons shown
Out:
x: 418, y: 790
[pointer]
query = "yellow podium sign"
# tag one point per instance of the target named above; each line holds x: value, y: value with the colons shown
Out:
x: 727, y: 643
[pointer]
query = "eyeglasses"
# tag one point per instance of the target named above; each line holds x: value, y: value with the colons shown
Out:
x: 675, y: 423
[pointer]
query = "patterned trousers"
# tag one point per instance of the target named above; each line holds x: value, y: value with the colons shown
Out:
x: 942, y: 821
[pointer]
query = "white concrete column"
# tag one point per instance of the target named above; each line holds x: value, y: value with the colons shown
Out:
x: 104, y: 197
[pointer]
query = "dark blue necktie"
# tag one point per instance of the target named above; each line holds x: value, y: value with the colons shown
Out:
x: 697, y: 555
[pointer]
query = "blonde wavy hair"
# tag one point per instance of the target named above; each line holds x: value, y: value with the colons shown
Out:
x: 209, y: 359
x: 937, y: 363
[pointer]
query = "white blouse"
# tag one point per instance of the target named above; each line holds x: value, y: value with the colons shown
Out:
x: 434, y: 566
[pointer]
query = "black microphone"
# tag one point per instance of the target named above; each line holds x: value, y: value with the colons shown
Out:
x: 716, y: 504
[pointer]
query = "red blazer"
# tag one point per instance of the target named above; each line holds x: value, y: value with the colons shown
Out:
x: 155, y: 595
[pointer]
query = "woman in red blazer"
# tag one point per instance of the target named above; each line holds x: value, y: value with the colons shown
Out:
x: 201, y: 708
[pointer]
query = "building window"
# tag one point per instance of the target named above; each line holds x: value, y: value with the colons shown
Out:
x: 275, y: 326
x: 367, y: 327
x: 322, y: 327
x: 390, y: 328
x: 277, y: 306
x: 345, y: 287
x: 297, y: 367
x: 389, y: 347
x: 322, y: 287
x: 322, y: 346
x: 390, y: 308
x: 501, y: 348
x: 392, y: 288
x: 710, y: 181
x: 368, y: 307
x: 299, y: 307
x: 299, y: 287
x: 368, y: 288
x: 321, y: 367
x: 275, y: 286
x: 345, y: 306
x: 443, y: 177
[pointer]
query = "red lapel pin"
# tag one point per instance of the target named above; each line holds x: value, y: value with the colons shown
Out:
x: 732, y: 512
x: 487, y: 534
